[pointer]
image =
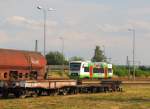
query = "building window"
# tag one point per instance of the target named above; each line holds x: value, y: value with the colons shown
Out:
x: 5, y: 75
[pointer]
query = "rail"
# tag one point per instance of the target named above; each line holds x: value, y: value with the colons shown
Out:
x: 136, y: 82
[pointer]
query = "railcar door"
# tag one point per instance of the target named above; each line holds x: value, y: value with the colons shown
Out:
x: 91, y: 71
x: 105, y: 72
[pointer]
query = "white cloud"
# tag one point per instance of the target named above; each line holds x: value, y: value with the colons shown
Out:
x: 29, y: 23
x: 141, y: 24
x: 137, y: 24
x: 76, y: 13
x: 138, y: 12
x: 101, y: 8
x: 3, y: 37
x: 114, y: 28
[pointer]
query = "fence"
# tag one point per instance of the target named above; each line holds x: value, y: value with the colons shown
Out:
x: 57, y: 67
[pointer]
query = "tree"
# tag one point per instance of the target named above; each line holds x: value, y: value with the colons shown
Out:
x: 55, y: 58
x: 76, y: 58
x: 98, y: 55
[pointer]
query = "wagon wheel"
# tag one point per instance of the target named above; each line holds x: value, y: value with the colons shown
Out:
x: 23, y: 94
x: 34, y: 94
x: 39, y: 93
x: 73, y: 91
x: 5, y: 93
x: 55, y: 92
x: 17, y: 94
x: 65, y: 92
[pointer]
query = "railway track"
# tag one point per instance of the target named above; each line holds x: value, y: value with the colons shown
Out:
x: 124, y: 80
x: 136, y: 82
x: 130, y: 79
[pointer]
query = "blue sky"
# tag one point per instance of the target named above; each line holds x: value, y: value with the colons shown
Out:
x: 82, y: 23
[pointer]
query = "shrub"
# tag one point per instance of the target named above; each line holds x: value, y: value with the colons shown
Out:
x: 120, y: 71
x: 123, y: 71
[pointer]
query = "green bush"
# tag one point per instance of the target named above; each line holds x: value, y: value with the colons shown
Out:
x: 141, y: 73
x: 122, y: 71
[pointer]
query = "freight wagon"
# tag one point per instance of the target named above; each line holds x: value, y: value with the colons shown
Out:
x: 21, y: 65
x: 22, y: 73
x: 35, y: 88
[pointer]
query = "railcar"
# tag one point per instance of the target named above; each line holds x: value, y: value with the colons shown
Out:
x: 90, y: 70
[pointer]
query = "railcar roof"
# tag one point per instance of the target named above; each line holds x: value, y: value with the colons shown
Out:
x: 15, y: 50
x: 21, y: 58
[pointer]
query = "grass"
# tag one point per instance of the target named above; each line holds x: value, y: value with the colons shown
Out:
x: 58, y: 74
x: 133, y: 97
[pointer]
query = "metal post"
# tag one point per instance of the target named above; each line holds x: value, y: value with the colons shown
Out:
x: 128, y: 67
x: 63, y: 46
x: 45, y: 18
x: 45, y: 14
x: 36, y: 45
x: 62, y: 52
x: 133, y: 54
x: 133, y: 30
x: 104, y: 50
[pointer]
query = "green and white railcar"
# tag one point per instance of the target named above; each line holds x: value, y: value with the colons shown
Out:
x: 87, y: 69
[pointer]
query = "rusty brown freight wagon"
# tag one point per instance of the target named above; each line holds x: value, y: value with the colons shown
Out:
x: 21, y: 65
x: 23, y: 73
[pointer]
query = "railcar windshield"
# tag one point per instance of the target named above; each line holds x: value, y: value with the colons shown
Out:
x: 75, y: 66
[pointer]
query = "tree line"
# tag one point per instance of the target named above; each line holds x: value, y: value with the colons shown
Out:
x: 57, y: 58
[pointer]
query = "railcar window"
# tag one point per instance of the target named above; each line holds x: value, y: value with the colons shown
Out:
x: 98, y: 70
x: 95, y: 70
x: 5, y: 75
x: 75, y: 66
x: 86, y: 69
x: 109, y: 70
x: 101, y: 70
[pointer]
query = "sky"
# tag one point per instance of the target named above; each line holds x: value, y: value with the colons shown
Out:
x: 82, y: 24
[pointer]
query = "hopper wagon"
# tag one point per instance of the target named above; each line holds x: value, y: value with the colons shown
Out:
x: 21, y: 65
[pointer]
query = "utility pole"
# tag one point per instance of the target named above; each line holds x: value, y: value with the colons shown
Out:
x: 61, y: 38
x: 36, y: 45
x: 104, y: 50
x: 128, y: 67
x: 133, y: 44
x: 44, y: 23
